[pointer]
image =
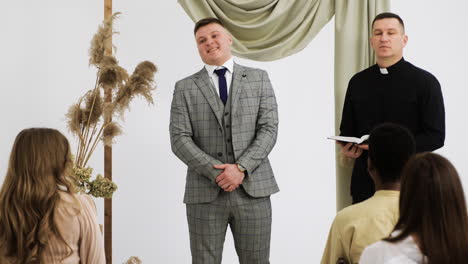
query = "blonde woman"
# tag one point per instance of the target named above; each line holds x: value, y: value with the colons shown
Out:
x: 42, y: 219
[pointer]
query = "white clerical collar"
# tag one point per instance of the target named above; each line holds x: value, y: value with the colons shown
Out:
x: 383, y: 70
x: 229, y: 65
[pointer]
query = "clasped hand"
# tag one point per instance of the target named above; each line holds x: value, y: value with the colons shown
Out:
x: 231, y: 177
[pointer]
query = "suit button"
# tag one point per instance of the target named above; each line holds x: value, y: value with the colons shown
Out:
x: 220, y: 154
x: 220, y: 129
x: 227, y: 113
x: 229, y: 140
x: 228, y: 126
x: 230, y: 153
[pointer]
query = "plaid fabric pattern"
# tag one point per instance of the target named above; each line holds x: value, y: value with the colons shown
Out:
x: 250, y: 222
x: 197, y: 137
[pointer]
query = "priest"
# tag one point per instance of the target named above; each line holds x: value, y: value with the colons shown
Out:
x: 393, y: 90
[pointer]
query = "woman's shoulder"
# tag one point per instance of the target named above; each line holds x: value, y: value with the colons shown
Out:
x: 75, y: 202
x: 404, y: 251
x: 381, y: 246
x: 378, y: 252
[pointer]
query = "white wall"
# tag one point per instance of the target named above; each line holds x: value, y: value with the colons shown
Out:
x: 44, y: 69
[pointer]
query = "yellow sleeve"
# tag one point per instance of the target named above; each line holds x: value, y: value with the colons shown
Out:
x: 334, y: 248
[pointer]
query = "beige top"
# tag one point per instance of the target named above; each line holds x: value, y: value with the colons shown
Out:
x: 360, y: 225
x: 80, y: 229
x: 77, y: 222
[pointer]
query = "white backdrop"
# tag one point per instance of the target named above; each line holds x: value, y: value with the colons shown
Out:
x: 44, y: 69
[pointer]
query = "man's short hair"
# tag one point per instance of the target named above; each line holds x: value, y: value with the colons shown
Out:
x: 389, y: 15
x: 206, y: 21
x: 390, y: 147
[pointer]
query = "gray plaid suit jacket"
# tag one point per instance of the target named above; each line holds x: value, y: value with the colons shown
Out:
x: 197, y: 137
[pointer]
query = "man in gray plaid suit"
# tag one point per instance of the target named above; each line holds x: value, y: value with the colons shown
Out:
x: 224, y: 123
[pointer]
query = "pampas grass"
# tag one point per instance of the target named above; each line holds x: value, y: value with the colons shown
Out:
x: 90, y: 119
x: 100, y: 39
x: 111, y: 130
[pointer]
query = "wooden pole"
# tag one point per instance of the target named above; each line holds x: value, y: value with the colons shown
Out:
x: 108, y: 154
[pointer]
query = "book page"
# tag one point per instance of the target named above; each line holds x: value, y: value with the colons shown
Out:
x: 354, y: 140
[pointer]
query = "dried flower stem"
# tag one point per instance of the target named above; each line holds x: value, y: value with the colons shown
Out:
x: 87, y: 127
x: 96, y: 140
x: 78, y: 149
x: 95, y: 91
x: 80, y: 137
x: 91, y: 138
x: 86, y: 152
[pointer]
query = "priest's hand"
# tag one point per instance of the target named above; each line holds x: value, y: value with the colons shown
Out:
x: 363, y: 146
x: 351, y: 150
x: 230, y: 178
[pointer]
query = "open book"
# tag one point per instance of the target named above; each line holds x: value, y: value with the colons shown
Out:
x: 355, y: 140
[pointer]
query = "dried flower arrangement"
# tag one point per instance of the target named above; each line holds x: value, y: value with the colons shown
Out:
x: 133, y: 260
x: 90, y: 119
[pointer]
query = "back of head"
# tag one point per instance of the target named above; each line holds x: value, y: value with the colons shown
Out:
x: 39, y: 165
x: 433, y: 207
x: 390, y: 147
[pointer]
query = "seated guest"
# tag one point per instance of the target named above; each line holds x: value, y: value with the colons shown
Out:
x: 42, y: 219
x: 433, y: 223
x: 359, y: 225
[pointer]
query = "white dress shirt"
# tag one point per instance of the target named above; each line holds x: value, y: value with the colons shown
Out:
x: 229, y: 65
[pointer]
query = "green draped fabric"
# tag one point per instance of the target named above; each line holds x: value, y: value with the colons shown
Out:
x: 266, y: 30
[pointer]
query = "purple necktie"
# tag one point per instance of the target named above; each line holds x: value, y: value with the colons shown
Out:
x: 222, y: 84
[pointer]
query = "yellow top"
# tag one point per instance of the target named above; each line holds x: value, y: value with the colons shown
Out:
x: 359, y: 225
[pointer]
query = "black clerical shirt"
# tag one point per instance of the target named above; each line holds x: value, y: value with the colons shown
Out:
x: 405, y: 95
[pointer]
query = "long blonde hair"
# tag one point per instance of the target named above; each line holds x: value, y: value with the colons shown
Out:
x: 40, y: 162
